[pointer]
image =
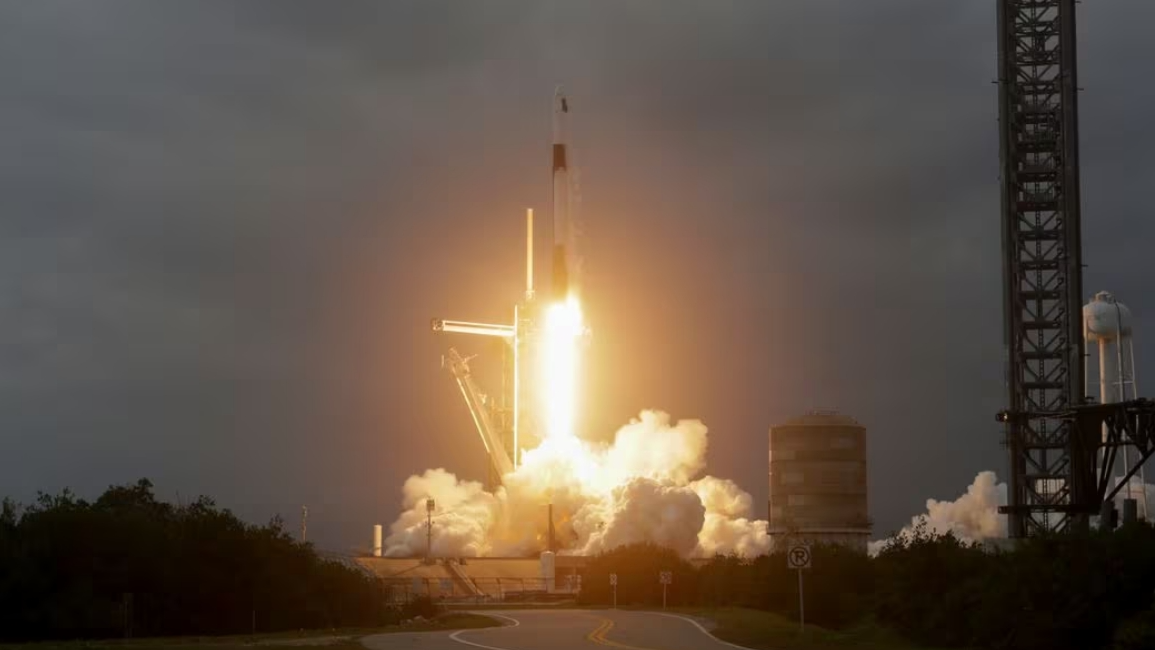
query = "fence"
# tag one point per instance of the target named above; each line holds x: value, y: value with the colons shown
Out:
x: 483, y: 589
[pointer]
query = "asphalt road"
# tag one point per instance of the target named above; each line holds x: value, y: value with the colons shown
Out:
x: 564, y: 630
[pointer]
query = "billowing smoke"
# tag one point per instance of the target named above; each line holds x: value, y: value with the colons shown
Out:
x: 974, y: 516
x: 645, y: 510
x: 728, y: 527
x: 640, y: 488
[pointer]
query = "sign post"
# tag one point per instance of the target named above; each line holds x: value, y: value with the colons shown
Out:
x: 798, y: 558
x: 614, y: 585
x: 667, y: 579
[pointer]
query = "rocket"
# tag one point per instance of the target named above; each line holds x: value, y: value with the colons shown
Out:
x: 564, y: 258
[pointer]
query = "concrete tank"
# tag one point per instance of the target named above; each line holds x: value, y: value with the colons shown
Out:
x: 818, y: 481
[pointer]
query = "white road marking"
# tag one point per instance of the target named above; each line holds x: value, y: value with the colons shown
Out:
x: 701, y: 629
x: 456, y: 635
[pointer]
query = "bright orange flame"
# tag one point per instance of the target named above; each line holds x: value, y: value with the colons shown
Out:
x: 560, y: 338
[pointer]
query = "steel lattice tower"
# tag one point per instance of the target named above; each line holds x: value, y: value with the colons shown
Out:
x: 1042, y: 264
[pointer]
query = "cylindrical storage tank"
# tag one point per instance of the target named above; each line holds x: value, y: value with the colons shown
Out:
x: 818, y: 481
x: 548, y: 570
x: 377, y: 540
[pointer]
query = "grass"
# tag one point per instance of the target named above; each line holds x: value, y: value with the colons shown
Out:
x: 334, y: 639
x: 766, y: 631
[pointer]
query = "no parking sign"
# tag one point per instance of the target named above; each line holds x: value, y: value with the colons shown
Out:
x: 798, y: 557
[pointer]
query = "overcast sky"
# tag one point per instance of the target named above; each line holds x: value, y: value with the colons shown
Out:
x: 225, y: 226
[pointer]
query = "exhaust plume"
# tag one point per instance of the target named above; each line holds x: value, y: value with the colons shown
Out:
x: 639, y: 488
x: 973, y: 517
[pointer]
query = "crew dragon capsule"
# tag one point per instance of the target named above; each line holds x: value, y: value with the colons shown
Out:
x: 564, y: 252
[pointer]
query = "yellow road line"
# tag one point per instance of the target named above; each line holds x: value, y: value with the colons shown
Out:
x: 599, y: 636
x: 596, y: 634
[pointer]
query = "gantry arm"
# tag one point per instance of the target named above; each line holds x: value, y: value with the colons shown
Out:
x: 460, y: 368
x: 465, y: 327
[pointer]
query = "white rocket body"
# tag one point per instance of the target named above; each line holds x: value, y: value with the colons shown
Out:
x: 564, y: 275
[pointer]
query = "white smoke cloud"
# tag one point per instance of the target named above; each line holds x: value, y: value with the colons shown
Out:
x: 974, y: 516
x: 644, y: 510
x: 728, y: 527
x: 650, y: 447
x: 640, y: 488
x: 467, y: 510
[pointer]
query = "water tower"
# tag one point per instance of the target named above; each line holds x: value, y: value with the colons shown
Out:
x: 1107, y: 330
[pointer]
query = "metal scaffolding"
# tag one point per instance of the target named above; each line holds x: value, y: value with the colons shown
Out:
x: 506, y: 424
x: 1042, y: 265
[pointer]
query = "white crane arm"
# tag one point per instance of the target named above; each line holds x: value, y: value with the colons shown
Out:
x: 465, y: 327
x: 493, y: 445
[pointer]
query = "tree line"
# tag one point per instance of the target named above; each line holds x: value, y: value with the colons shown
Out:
x: 1080, y: 591
x: 128, y: 564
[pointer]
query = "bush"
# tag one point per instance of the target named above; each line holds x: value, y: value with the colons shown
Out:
x: 422, y: 606
x: 1137, y: 633
x: 73, y: 569
x: 638, y: 568
x: 1072, y: 591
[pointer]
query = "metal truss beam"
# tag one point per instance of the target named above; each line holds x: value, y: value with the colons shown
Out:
x: 497, y: 420
x: 1097, y: 433
x: 1042, y: 265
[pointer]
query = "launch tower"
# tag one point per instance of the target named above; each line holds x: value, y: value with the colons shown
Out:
x: 1060, y: 444
x: 1042, y: 258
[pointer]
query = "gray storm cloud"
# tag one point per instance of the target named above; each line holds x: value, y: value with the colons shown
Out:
x: 225, y: 228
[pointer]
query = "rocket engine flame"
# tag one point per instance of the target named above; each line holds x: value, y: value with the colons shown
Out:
x: 639, y: 488
x: 563, y: 327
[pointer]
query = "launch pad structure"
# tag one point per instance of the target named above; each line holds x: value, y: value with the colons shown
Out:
x: 500, y: 422
x: 512, y: 422
x: 1062, y: 446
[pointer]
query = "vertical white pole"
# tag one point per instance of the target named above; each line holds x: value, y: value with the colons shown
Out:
x: 1087, y: 386
x: 529, y: 254
x: 1105, y: 371
x: 1105, y: 394
x: 1086, y: 366
x: 1121, y: 392
x: 1134, y: 378
x: 515, y: 453
x: 1135, y: 394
